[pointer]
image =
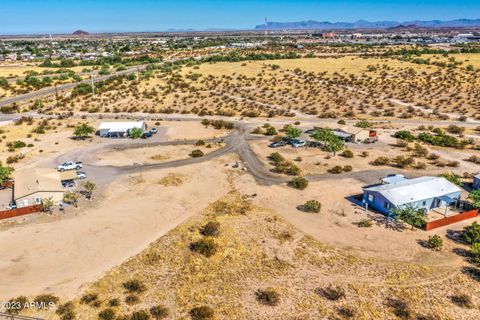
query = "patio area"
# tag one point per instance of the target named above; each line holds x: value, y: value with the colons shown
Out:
x: 440, y: 213
x: 448, y: 207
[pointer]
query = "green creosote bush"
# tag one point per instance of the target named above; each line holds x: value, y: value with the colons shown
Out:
x: 312, y: 206
x: 298, y: 183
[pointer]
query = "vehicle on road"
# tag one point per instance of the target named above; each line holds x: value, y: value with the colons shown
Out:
x: 298, y: 143
x: 81, y: 175
x: 70, y: 165
x: 154, y: 130
x: 278, y: 144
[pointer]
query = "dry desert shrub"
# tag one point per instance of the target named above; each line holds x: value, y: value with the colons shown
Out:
x: 172, y: 180
x: 247, y: 253
x: 159, y: 157
x: 137, y: 179
x: 268, y: 297
x: 232, y: 205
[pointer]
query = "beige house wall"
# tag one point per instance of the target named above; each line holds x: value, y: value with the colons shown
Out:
x: 37, y: 197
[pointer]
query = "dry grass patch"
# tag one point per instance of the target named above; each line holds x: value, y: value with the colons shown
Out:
x: 172, y: 180
x: 159, y: 157
x: 236, y: 281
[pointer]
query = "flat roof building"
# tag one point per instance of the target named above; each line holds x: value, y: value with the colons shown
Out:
x: 119, y: 129
x: 424, y: 193
x: 33, y: 185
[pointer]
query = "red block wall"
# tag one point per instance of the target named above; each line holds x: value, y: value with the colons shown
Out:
x: 20, y: 212
x: 450, y: 220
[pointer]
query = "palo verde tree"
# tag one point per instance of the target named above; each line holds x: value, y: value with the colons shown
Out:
x: 89, y: 187
x: 136, y: 133
x: 475, y: 198
x: 410, y: 215
x: 83, y: 130
x: 331, y: 143
x: 292, y: 132
x: 334, y: 145
x: 71, y: 198
x: 322, y: 135
x: 5, y: 173
x: 47, y: 205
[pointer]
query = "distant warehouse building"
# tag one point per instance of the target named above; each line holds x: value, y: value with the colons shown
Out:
x: 36, y: 184
x: 119, y: 129
x: 424, y: 193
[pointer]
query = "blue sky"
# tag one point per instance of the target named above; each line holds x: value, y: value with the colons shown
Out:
x: 65, y: 16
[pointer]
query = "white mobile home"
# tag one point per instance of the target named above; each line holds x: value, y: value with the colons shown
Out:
x: 119, y: 129
x: 424, y: 193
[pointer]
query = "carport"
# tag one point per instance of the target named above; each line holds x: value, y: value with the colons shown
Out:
x: 448, y: 201
x: 347, y: 137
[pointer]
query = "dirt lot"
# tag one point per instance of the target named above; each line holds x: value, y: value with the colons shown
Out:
x: 125, y: 222
x: 265, y: 240
x: 256, y: 249
x: 146, y: 155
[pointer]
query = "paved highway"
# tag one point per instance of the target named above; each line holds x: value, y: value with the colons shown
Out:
x: 68, y: 86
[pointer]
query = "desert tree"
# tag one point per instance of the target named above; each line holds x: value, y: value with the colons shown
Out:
x: 83, y: 130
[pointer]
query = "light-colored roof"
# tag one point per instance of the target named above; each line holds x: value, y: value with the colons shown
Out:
x: 352, y: 129
x: 120, y: 126
x: 341, y: 134
x: 413, y: 190
x: 393, y: 179
x: 32, y: 180
x: 68, y: 175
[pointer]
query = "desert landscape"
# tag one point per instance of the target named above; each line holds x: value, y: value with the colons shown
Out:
x: 240, y: 175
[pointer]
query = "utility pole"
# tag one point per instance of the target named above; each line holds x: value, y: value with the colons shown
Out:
x: 93, y: 85
x: 266, y: 30
x: 56, y: 95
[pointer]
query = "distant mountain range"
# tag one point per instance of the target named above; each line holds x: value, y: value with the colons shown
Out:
x: 362, y: 24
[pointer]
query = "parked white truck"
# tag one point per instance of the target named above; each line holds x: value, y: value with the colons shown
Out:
x: 70, y: 165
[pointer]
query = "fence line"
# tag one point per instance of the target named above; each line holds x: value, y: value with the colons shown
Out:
x: 450, y: 220
x: 6, y: 214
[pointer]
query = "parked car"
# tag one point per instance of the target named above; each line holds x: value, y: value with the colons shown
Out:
x: 370, y: 140
x: 299, y: 143
x: 70, y: 165
x: 12, y: 205
x: 147, y: 134
x: 278, y: 144
x: 81, y: 175
x: 68, y: 184
x: 153, y: 130
x: 313, y: 144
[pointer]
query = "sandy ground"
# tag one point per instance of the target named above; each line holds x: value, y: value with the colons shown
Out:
x: 136, y: 211
x: 50, y: 144
x: 316, y: 161
x: 149, y: 155
x: 180, y: 130
x: 49, y: 256
x: 336, y: 223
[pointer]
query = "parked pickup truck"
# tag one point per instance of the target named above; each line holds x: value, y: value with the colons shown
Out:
x: 70, y: 165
